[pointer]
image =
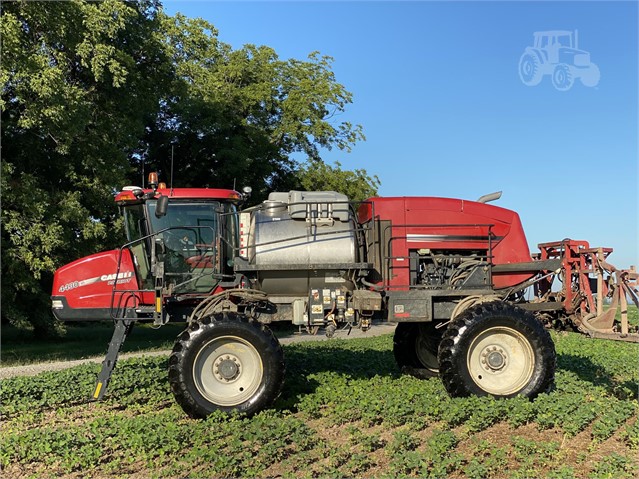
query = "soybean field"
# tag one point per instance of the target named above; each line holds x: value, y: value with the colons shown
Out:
x: 345, y: 411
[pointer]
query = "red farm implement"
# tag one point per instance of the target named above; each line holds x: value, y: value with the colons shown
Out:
x: 592, y: 291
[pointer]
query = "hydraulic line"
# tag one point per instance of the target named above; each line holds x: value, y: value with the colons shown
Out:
x: 208, y: 305
x: 466, y: 303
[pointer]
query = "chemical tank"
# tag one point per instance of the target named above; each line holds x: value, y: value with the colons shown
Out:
x: 300, y: 240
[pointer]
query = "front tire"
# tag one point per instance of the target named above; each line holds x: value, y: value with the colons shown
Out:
x: 591, y: 76
x: 499, y: 350
x: 562, y: 77
x: 226, y: 363
x: 415, y: 349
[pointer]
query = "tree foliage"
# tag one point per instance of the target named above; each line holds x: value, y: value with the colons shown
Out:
x: 357, y: 184
x: 238, y: 115
x: 96, y: 93
x: 79, y: 85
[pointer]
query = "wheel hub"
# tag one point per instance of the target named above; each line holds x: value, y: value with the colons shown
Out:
x: 226, y: 368
x: 493, y: 358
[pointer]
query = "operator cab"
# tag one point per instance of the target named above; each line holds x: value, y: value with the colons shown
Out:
x: 194, y: 233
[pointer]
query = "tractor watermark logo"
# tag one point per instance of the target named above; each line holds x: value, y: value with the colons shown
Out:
x: 556, y: 53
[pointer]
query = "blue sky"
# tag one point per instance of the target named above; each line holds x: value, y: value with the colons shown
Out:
x: 437, y: 90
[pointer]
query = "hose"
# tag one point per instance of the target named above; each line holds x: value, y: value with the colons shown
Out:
x: 466, y: 303
x: 208, y: 305
x: 462, y: 271
x: 372, y: 285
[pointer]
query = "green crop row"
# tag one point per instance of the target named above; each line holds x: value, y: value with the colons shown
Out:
x: 345, y: 410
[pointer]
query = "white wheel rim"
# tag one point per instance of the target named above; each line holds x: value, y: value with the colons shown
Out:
x: 427, y: 358
x: 228, y: 370
x: 501, y: 361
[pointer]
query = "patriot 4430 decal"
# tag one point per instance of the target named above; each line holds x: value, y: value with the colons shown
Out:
x: 122, y: 278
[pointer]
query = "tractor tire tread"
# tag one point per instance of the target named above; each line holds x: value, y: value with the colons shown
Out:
x: 404, y: 352
x: 452, y: 348
x: 179, y: 360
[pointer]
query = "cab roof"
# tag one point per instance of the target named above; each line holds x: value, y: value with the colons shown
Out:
x: 127, y: 194
x: 554, y: 32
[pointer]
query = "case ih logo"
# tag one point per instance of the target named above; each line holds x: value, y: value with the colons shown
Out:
x: 112, y: 277
x: 556, y: 53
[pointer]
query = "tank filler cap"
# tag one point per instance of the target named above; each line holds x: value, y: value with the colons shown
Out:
x: 272, y: 207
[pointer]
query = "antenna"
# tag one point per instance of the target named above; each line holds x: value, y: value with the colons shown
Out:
x: 234, y: 183
x: 172, y: 146
x: 143, y: 179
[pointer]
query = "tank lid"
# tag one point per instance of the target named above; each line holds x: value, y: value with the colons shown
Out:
x: 271, y: 206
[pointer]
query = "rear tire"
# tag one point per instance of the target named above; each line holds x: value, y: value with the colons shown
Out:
x: 226, y: 363
x: 499, y: 350
x: 530, y: 69
x: 415, y: 349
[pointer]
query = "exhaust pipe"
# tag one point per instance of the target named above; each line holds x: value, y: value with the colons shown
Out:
x: 489, y: 197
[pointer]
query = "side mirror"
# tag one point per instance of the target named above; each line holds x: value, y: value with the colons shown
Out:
x: 161, y: 206
x: 246, y: 192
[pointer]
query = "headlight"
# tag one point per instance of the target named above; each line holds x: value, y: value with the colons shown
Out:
x: 57, y: 304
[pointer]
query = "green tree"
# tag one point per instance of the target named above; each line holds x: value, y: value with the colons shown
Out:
x: 79, y: 83
x: 357, y: 184
x: 239, y: 115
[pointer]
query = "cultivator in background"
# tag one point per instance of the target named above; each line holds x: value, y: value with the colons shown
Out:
x: 592, y: 291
